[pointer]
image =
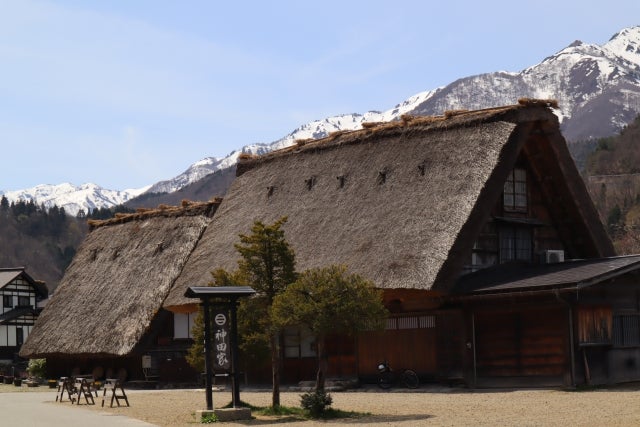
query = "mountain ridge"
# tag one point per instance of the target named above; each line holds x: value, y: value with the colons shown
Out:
x: 596, y: 86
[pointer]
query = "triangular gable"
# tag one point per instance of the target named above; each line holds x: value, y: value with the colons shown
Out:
x: 9, y: 275
x: 540, y: 145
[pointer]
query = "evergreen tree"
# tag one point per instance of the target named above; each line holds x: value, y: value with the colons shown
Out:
x: 329, y: 301
x: 267, y: 264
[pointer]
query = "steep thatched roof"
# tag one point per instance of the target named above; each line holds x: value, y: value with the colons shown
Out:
x: 400, y: 203
x: 117, y: 282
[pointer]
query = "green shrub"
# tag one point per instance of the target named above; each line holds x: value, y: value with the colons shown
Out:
x: 37, y: 368
x: 209, y: 418
x: 316, y: 403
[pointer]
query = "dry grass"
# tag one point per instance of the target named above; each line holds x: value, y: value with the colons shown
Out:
x: 429, y: 407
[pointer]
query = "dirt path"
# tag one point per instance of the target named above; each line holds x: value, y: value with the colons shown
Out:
x: 437, y: 407
x: 619, y: 406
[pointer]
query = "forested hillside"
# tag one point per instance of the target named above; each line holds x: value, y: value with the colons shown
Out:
x: 612, y: 175
x: 42, y: 240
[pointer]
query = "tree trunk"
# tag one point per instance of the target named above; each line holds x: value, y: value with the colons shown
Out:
x: 323, y: 364
x: 275, y: 370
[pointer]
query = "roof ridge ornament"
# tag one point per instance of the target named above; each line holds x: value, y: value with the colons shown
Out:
x: 535, y: 102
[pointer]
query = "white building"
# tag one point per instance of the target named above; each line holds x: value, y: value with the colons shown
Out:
x: 20, y: 296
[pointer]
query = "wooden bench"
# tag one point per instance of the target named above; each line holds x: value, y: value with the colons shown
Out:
x: 117, y: 391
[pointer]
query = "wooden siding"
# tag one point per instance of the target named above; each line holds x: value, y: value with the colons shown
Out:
x: 408, y: 342
x: 451, y: 345
x: 520, y: 344
x: 342, y: 362
x: 595, y: 325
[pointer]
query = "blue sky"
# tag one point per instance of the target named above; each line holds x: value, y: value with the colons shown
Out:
x: 126, y: 93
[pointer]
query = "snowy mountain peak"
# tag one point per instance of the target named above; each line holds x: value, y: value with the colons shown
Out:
x: 597, y: 87
x: 313, y: 130
x: 73, y: 198
x: 626, y: 44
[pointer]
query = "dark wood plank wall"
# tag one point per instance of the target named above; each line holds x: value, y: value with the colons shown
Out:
x: 522, y: 343
x: 406, y: 348
x: 451, y: 346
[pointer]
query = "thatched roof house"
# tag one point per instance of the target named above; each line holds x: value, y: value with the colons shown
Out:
x: 436, y: 211
x: 117, y: 282
x: 400, y: 203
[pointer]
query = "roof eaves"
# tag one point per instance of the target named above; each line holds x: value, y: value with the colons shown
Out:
x: 608, y: 275
x: 509, y: 292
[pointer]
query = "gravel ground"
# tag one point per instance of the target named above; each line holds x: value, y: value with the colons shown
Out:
x: 429, y: 406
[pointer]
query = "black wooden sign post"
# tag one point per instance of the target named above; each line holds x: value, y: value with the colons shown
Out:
x: 224, y: 347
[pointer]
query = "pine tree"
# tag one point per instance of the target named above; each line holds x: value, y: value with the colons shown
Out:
x: 267, y: 264
x: 328, y: 301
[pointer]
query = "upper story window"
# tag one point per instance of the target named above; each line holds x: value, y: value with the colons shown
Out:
x: 23, y: 301
x: 7, y: 301
x: 515, y: 244
x: 515, y: 191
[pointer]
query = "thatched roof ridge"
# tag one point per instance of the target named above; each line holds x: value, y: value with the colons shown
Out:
x: 187, y: 208
x: 117, y: 282
x: 406, y: 124
x: 400, y: 205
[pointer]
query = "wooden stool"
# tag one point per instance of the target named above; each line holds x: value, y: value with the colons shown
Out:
x: 82, y: 387
x: 64, y: 385
x: 117, y: 392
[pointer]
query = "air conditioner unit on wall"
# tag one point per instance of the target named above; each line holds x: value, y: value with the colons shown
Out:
x: 553, y: 256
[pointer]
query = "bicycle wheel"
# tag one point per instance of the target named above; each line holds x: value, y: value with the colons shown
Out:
x: 385, y: 380
x: 410, y: 379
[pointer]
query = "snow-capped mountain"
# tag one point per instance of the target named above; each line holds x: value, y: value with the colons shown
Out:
x: 597, y: 87
x: 315, y: 129
x: 73, y: 198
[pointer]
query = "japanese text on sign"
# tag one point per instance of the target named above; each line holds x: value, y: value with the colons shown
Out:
x: 222, y: 348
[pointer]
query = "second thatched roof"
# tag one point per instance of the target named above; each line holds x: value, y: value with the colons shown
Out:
x: 117, y: 282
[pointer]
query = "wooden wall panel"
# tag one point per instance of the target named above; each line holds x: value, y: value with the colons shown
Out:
x: 526, y: 343
x: 406, y: 348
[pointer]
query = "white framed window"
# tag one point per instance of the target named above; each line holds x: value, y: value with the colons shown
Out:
x: 411, y: 322
x: 515, y: 191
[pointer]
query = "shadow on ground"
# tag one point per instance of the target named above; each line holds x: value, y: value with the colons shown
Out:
x: 367, y: 419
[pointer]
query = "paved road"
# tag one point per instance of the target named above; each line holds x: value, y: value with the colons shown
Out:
x: 39, y: 409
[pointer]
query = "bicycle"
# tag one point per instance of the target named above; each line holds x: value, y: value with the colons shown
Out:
x: 387, y: 377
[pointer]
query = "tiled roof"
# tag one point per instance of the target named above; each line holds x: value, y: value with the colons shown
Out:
x: 570, y: 274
